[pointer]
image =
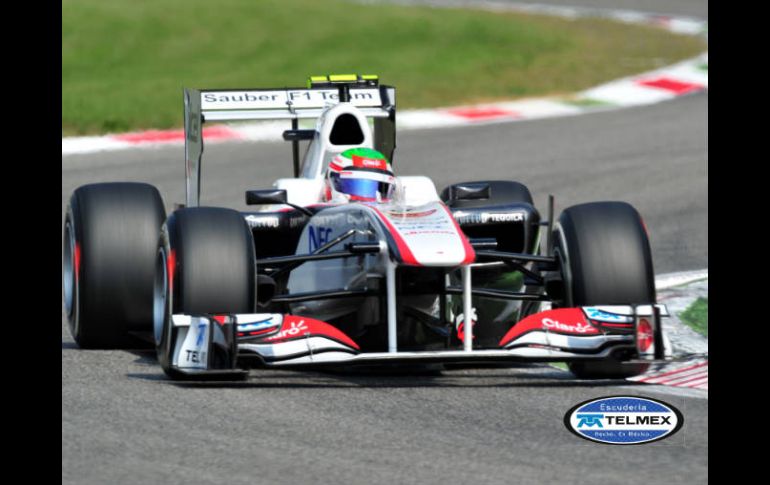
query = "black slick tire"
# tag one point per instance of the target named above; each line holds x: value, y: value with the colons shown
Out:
x: 206, y: 264
x: 605, y: 257
x: 110, y: 239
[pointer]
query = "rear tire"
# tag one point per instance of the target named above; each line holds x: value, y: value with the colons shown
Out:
x: 206, y: 264
x: 605, y: 257
x: 110, y: 238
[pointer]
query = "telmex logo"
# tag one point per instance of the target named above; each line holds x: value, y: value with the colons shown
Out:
x: 624, y: 420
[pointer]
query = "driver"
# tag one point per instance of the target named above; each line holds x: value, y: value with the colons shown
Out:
x: 359, y: 175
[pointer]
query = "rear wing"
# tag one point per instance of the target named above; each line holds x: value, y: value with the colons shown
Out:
x: 209, y: 105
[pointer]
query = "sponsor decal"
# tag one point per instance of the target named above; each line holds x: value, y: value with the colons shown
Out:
x: 297, y: 327
x: 470, y: 254
x: 193, y: 353
x: 355, y: 95
x: 485, y: 217
x: 428, y: 236
x: 502, y: 217
x: 423, y: 232
x: 195, y: 356
x: 364, y: 162
x: 603, y: 316
x: 318, y: 236
x: 405, y: 254
x: 298, y: 98
x: 467, y: 217
x: 294, y: 329
x: 239, y: 97
x: 411, y: 214
x: 578, y: 327
x: 623, y: 420
x: 567, y: 321
x: 262, y: 221
x: 201, y: 333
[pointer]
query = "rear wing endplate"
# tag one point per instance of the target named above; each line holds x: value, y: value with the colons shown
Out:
x: 204, y: 105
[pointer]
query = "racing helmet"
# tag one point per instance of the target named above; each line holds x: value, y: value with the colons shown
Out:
x: 360, y: 174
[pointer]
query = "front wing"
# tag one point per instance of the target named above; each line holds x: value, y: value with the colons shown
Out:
x: 222, y: 344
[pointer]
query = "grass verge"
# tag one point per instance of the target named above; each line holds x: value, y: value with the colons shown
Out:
x: 696, y: 316
x: 124, y: 62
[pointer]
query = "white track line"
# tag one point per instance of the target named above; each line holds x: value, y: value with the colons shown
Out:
x: 671, y: 280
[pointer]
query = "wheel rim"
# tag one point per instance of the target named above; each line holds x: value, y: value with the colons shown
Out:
x: 160, y: 295
x: 69, y: 270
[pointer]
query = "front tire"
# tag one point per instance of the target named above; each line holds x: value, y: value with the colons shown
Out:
x: 605, y: 258
x: 110, y: 236
x: 205, y: 264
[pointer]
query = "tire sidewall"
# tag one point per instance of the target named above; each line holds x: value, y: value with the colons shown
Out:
x: 72, y: 309
x: 561, y: 252
x: 162, y: 319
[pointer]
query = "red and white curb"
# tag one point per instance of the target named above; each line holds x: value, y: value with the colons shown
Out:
x: 684, y: 78
x: 678, y: 24
x: 678, y: 291
x: 693, y: 374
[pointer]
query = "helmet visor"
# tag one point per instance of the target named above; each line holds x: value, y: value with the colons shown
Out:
x: 362, y: 188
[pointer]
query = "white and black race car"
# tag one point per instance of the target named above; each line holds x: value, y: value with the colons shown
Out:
x: 461, y: 276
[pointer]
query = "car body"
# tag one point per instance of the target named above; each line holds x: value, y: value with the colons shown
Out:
x: 370, y: 283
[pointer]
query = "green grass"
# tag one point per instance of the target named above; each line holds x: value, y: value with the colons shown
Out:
x: 697, y: 316
x: 587, y: 102
x: 124, y: 62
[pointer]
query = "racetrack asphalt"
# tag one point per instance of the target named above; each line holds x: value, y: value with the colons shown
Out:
x: 123, y: 422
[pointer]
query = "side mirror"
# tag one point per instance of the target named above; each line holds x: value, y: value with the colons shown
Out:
x: 272, y: 196
x: 266, y: 196
x: 469, y: 191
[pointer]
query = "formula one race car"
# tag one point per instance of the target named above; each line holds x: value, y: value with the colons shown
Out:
x: 346, y: 264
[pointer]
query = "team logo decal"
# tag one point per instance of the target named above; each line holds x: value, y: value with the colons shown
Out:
x: 623, y: 420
